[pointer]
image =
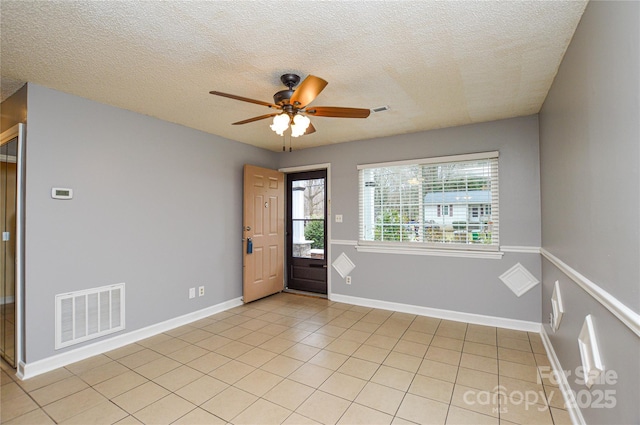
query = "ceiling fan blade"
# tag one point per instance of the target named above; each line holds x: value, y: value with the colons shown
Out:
x: 310, y: 129
x: 244, y: 99
x: 337, y: 112
x: 261, y: 117
x: 307, y: 91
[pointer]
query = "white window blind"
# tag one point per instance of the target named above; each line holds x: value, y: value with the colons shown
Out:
x: 445, y: 202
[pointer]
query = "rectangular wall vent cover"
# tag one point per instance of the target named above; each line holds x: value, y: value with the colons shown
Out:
x: 89, y: 314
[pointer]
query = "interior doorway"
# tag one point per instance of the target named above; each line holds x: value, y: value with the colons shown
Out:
x: 307, y: 231
x: 11, y: 252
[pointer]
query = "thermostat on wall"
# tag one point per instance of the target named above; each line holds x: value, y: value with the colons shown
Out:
x: 61, y: 193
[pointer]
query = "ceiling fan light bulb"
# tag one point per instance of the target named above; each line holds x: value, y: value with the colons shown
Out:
x: 281, y: 120
x: 302, y: 121
x: 280, y: 123
x: 299, y: 125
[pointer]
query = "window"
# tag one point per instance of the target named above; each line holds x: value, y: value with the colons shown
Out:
x: 480, y: 211
x: 445, y: 202
x: 445, y: 210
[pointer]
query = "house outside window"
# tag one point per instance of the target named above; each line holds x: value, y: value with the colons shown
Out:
x: 444, y: 210
x: 445, y: 202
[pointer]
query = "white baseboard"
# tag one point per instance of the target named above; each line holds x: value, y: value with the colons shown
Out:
x: 20, y: 371
x: 477, y: 319
x: 569, y: 398
x: 29, y: 370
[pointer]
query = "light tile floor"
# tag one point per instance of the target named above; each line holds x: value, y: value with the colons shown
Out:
x: 293, y: 359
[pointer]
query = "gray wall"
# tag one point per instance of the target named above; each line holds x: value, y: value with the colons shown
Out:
x: 589, y: 148
x: 156, y: 205
x: 459, y: 284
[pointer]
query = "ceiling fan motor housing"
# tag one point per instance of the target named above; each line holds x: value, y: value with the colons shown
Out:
x: 282, y: 97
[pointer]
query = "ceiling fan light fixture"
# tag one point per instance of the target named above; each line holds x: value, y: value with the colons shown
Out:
x: 280, y: 123
x: 300, y: 125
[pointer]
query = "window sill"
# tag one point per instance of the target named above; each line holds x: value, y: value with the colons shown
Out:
x: 460, y: 253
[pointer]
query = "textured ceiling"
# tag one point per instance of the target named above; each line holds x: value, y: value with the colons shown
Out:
x: 435, y: 64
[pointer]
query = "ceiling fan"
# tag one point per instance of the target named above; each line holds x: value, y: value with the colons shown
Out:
x: 293, y: 106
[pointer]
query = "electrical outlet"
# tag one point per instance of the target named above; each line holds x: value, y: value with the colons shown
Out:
x: 192, y: 293
x: 201, y: 291
x: 348, y: 280
x: 338, y: 218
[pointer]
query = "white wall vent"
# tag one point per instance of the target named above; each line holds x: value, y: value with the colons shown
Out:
x: 557, y: 307
x: 380, y: 109
x: 590, y: 353
x: 518, y: 279
x: 89, y: 314
x: 343, y: 265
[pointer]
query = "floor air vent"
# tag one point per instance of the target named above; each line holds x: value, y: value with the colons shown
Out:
x: 89, y: 314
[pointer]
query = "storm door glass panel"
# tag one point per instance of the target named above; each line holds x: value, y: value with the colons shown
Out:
x: 307, y: 217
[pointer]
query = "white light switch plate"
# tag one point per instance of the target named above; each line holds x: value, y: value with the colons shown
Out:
x: 338, y: 218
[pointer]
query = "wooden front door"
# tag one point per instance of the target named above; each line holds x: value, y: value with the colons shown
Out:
x: 263, y: 239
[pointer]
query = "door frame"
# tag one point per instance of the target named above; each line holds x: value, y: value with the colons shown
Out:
x: 19, y: 131
x: 314, y: 167
x: 309, y: 264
